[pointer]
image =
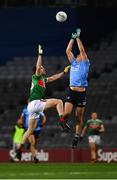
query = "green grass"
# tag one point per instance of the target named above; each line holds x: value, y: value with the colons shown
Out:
x: 58, y: 170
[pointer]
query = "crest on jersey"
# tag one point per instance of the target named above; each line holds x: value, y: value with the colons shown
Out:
x: 41, y: 83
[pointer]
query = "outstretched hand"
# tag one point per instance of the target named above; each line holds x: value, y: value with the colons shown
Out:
x: 76, y: 34
x: 66, y: 69
x: 40, y: 50
x: 78, y: 31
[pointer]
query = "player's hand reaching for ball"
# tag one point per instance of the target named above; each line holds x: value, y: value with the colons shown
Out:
x: 76, y: 34
x: 78, y: 31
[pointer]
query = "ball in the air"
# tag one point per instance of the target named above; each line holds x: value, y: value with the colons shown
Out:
x: 61, y: 16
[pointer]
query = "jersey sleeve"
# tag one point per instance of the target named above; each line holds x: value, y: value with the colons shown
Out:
x: 22, y: 114
x: 41, y: 114
x: 87, y: 123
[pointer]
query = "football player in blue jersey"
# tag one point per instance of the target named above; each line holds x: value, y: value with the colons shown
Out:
x: 78, y: 83
x: 33, y: 138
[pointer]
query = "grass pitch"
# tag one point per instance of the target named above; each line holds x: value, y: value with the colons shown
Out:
x: 58, y: 171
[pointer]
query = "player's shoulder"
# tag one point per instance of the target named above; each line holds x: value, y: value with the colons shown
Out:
x: 86, y: 61
x: 99, y: 120
x: 34, y: 76
x: 73, y: 60
x: 89, y: 120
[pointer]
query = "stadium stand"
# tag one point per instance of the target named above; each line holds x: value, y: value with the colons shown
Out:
x: 54, y: 3
x: 15, y: 70
x: 102, y: 97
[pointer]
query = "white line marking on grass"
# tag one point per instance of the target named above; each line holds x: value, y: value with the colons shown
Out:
x: 58, y: 173
x: 87, y: 172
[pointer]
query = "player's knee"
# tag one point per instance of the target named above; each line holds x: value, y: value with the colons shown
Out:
x: 59, y: 101
x: 30, y: 130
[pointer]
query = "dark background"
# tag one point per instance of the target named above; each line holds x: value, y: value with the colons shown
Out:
x: 22, y: 28
x: 25, y: 24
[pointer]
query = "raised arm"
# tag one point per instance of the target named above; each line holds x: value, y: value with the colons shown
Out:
x: 81, y: 49
x: 69, y: 50
x: 75, y: 36
x: 39, y: 60
x: 59, y: 75
x: 55, y: 77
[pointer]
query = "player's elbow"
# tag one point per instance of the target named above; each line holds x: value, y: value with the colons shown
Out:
x: 82, y: 51
x: 67, y: 51
x: 50, y: 79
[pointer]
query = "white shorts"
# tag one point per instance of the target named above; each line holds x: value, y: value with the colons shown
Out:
x: 35, y: 107
x: 94, y: 139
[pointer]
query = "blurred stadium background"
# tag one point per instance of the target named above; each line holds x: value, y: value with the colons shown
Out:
x: 26, y: 23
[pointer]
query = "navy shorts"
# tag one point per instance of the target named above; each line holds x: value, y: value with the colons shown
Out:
x: 36, y: 134
x: 78, y: 99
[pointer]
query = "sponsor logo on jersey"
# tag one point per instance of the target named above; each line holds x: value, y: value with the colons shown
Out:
x: 94, y: 126
x: 41, y: 83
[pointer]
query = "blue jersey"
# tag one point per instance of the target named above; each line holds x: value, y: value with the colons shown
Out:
x: 25, y: 116
x: 79, y: 73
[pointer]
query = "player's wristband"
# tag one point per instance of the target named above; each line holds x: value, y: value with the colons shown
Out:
x: 72, y: 37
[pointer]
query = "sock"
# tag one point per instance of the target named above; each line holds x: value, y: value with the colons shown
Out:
x: 21, y: 146
x: 93, y: 160
x: 61, y: 118
x: 77, y: 136
x: 34, y: 157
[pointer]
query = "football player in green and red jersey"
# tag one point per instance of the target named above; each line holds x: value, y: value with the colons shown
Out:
x: 95, y: 127
x: 37, y: 102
